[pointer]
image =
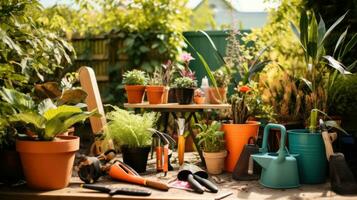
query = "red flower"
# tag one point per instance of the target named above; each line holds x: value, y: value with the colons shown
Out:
x: 244, y: 89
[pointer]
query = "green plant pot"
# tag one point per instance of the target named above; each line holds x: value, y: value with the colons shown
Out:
x: 312, y: 160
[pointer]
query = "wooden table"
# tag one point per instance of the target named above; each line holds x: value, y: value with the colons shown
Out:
x: 240, y: 189
x: 173, y: 108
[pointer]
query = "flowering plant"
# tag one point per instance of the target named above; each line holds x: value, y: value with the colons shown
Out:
x: 247, y: 103
x: 186, y: 58
x: 199, y: 93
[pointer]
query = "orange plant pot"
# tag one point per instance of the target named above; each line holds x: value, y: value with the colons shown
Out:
x: 135, y: 93
x: 199, y: 100
x: 47, y: 165
x: 217, y: 95
x: 236, y: 136
x: 155, y: 94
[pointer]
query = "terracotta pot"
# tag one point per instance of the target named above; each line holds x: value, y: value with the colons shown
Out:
x: 217, y: 95
x: 215, y: 161
x: 135, y: 93
x: 155, y: 93
x: 48, y: 165
x: 236, y: 136
x: 165, y: 95
x: 199, y: 100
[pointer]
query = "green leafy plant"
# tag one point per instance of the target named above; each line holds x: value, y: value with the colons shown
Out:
x: 134, y: 77
x: 29, y: 52
x: 126, y: 128
x: 281, y: 90
x: 185, y: 82
x: 210, y: 137
x: 42, y: 121
x: 312, y: 37
x: 247, y: 104
x: 156, y: 78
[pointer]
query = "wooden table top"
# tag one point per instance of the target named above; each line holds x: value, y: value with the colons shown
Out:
x: 177, y: 106
x: 225, y: 183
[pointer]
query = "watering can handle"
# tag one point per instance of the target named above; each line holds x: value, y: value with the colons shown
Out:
x: 267, y: 128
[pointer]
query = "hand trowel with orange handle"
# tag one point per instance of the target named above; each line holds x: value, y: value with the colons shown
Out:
x: 181, y: 140
x: 123, y: 172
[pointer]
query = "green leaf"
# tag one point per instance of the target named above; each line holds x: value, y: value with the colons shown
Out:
x: 321, y: 30
x: 297, y: 34
x: 333, y: 124
x: 63, y: 110
x: 337, y: 65
x: 203, y: 61
x: 304, y: 34
x: 350, y: 45
x: 30, y: 118
x: 333, y: 26
x: 218, y: 55
x: 308, y: 83
x: 18, y: 100
x: 340, y: 41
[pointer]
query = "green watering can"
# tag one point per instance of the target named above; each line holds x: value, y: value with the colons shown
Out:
x: 279, y: 170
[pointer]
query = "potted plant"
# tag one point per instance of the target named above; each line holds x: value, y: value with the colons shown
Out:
x: 155, y: 89
x: 211, y: 140
x: 247, y: 105
x: 308, y: 143
x: 44, y: 152
x: 166, y: 78
x: 135, y: 81
x: 199, y: 96
x: 184, y: 88
x: 130, y: 133
x: 217, y: 95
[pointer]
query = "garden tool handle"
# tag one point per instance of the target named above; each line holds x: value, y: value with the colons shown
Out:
x: 196, y: 186
x: 157, y: 185
x: 208, y: 184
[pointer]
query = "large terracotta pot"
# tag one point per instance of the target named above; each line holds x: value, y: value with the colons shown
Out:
x: 236, y: 136
x: 215, y: 161
x: 155, y: 93
x: 217, y: 95
x: 135, y: 93
x: 48, y: 165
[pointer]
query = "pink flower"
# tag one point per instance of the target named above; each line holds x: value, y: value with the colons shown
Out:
x: 186, y: 57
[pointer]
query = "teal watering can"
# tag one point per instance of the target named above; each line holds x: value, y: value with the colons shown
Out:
x: 279, y: 170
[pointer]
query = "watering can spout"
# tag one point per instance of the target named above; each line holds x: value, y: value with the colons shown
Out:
x: 262, y: 160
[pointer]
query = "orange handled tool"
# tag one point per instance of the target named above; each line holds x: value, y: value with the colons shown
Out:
x: 123, y: 172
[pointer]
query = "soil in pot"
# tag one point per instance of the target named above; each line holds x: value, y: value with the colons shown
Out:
x: 135, y: 93
x: 155, y: 94
x: 136, y: 157
x: 217, y: 95
x: 47, y: 165
x: 312, y: 162
x: 184, y: 95
x: 236, y: 136
x: 215, y: 161
x: 10, y: 167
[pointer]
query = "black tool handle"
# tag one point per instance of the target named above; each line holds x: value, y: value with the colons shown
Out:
x: 130, y: 191
x: 100, y: 188
x: 196, y: 186
x: 208, y: 184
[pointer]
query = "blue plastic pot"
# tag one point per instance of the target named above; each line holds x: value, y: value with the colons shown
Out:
x: 312, y: 162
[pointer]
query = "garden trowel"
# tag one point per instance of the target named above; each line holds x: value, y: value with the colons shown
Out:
x: 341, y: 177
x: 245, y: 169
